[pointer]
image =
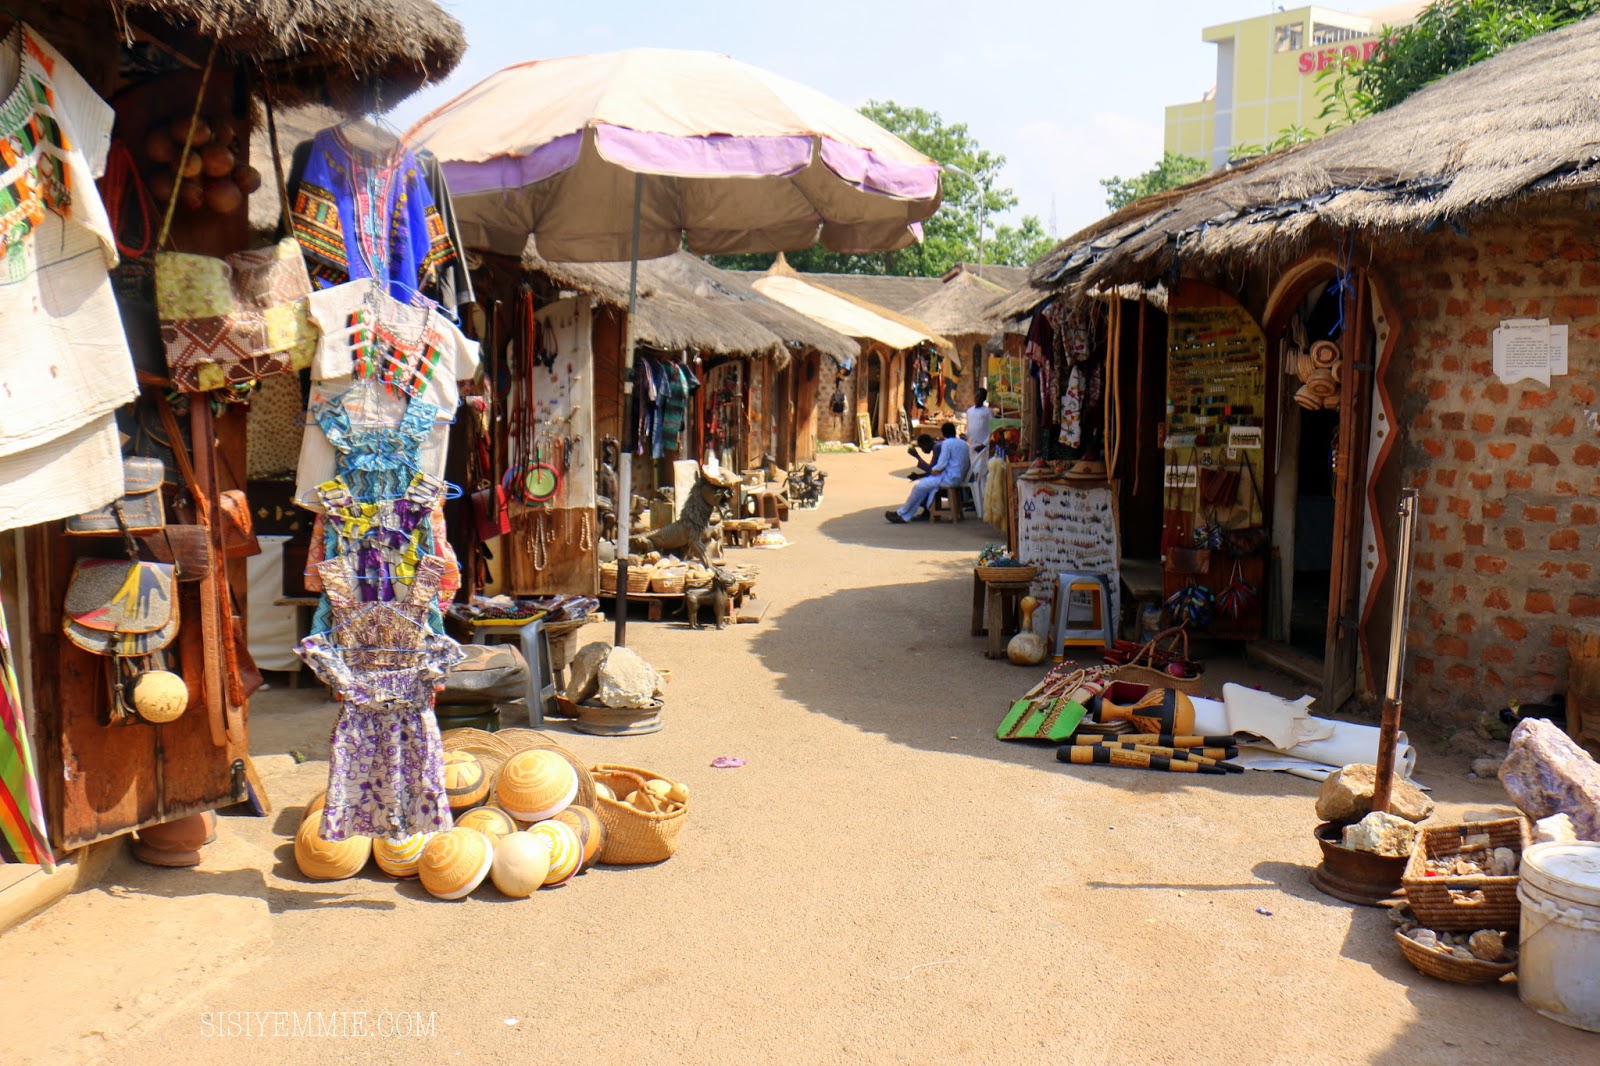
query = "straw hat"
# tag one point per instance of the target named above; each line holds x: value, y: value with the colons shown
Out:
x: 455, y: 862
x: 566, y: 853
x: 521, y: 863
x: 399, y: 858
x: 465, y: 780
x: 329, y: 860
x: 535, y: 784
x: 492, y: 822
x: 590, y: 829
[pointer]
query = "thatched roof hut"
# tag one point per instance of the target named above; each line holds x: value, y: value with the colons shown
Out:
x: 314, y: 50
x: 781, y: 269
x: 1526, y: 121
x: 962, y: 307
x: 667, y: 317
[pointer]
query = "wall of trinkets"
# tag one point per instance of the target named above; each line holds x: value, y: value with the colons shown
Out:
x: 1214, y: 537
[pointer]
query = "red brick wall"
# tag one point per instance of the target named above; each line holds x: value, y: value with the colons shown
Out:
x: 1509, y: 475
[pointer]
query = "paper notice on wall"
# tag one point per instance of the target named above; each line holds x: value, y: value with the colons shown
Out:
x: 1529, y: 348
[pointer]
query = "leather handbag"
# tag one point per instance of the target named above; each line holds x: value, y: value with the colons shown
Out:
x: 238, y: 528
x: 138, y: 510
x: 490, y: 513
x: 186, y: 547
x: 120, y: 607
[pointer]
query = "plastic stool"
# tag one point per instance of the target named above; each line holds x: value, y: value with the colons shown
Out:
x: 954, y: 505
x: 1102, y: 627
x: 535, y: 644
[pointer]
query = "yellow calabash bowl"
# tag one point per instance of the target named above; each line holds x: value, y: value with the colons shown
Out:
x: 329, y: 860
x: 455, y: 862
x: 566, y: 853
x: 492, y: 822
x: 521, y: 863
x: 535, y: 784
x: 399, y: 858
x: 465, y: 780
x: 318, y: 802
x: 590, y: 829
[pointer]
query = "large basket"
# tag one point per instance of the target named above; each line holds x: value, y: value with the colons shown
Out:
x: 519, y: 740
x: 639, y: 578
x: 1007, y: 575
x: 667, y: 581
x: 1446, y: 967
x: 1441, y: 902
x: 634, y: 837
x: 608, y: 578
x: 1147, y: 667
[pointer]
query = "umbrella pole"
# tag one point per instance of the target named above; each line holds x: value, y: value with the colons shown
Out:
x: 624, y: 503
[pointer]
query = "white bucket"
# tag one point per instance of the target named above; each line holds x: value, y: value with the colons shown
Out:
x: 1558, y: 970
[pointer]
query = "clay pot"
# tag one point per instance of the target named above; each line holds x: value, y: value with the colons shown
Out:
x: 175, y: 843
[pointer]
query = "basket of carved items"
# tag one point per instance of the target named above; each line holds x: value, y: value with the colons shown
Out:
x: 1468, y: 900
x: 1161, y: 662
x: 647, y: 828
x: 1441, y: 963
x: 668, y: 580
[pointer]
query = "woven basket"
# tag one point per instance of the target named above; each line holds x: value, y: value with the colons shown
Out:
x: 1440, y: 903
x: 518, y: 740
x: 667, y: 581
x: 1446, y: 967
x: 697, y: 579
x: 608, y: 578
x: 1007, y: 575
x: 1141, y: 669
x: 634, y: 837
x: 639, y: 578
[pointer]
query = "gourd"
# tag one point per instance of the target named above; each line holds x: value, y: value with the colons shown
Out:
x: 1027, y: 648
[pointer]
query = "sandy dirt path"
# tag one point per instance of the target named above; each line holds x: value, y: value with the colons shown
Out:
x: 882, y: 881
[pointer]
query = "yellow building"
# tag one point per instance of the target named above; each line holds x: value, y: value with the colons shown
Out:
x: 1267, y: 76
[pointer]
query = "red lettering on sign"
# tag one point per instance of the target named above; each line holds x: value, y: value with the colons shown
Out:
x: 1350, y: 51
x: 1326, y: 56
x: 1368, y: 49
x: 1308, y: 62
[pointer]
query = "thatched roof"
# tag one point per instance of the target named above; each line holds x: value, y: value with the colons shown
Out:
x: 828, y: 283
x: 725, y: 290
x: 1007, y: 277
x: 961, y: 306
x: 893, y: 292
x: 317, y: 50
x: 1524, y: 121
x: 668, y: 317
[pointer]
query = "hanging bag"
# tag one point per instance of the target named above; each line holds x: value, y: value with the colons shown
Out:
x: 1249, y: 540
x: 138, y: 510
x: 232, y: 321
x: 124, y: 610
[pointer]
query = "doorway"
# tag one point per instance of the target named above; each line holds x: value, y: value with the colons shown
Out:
x: 875, y: 393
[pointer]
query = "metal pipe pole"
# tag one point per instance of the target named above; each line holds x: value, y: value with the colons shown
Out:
x: 624, y: 501
x: 1389, y: 733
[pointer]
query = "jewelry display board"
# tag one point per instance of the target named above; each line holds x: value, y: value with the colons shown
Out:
x: 1064, y: 526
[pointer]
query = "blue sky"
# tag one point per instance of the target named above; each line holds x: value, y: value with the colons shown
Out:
x: 1068, y: 92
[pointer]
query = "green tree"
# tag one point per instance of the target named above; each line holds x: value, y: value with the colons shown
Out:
x: 1173, y: 170
x: 971, y: 196
x: 1446, y: 36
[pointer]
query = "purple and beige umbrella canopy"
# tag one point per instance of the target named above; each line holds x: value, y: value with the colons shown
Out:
x: 733, y: 157
x: 626, y: 155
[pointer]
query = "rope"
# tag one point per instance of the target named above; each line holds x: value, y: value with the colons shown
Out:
x: 121, y: 179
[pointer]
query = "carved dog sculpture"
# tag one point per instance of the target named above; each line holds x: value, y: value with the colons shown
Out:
x: 690, y: 536
x: 719, y: 594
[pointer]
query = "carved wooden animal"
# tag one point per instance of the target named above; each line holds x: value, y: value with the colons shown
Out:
x: 690, y: 535
x: 719, y: 594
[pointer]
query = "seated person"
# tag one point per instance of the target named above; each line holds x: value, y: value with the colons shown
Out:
x: 951, y: 465
x: 924, y: 446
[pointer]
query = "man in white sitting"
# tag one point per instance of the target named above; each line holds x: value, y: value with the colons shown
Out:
x: 980, y: 422
x: 951, y: 465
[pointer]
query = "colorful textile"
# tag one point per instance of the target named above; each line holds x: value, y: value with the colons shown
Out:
x: 361, y: 214
x: 65, y: 365
x: 382, y: 660
x: 22, y: 832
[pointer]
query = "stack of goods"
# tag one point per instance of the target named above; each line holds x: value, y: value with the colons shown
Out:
x: 528, y: 815
x: 613, y: 692
x: 1318, y: 369
x: 383, y: 393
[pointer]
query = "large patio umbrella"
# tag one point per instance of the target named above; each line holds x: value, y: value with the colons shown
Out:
x: 625, y: 155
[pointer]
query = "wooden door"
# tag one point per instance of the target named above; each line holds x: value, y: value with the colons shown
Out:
x: 1349, y: 480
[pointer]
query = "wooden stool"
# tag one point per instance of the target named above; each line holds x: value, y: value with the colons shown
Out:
x: 996, y: 613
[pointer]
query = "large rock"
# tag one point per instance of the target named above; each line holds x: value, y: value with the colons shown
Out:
x: 583, y: 672
x: 1346, y: 796
x: 1381, y: 834
x: 626, y: 680
x: 1547, y: 773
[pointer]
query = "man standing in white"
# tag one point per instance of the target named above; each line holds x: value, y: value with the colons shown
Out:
x: 980, y: 419
x: 951, y: 464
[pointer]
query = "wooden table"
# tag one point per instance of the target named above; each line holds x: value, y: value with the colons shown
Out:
x: 997, y: 612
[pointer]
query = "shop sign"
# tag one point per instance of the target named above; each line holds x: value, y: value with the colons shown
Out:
x: 1315, y: 62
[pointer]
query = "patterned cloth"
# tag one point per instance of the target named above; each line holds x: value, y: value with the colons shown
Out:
x: 386, y: 760
x: 361, y: 214
x: 22, y: 832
